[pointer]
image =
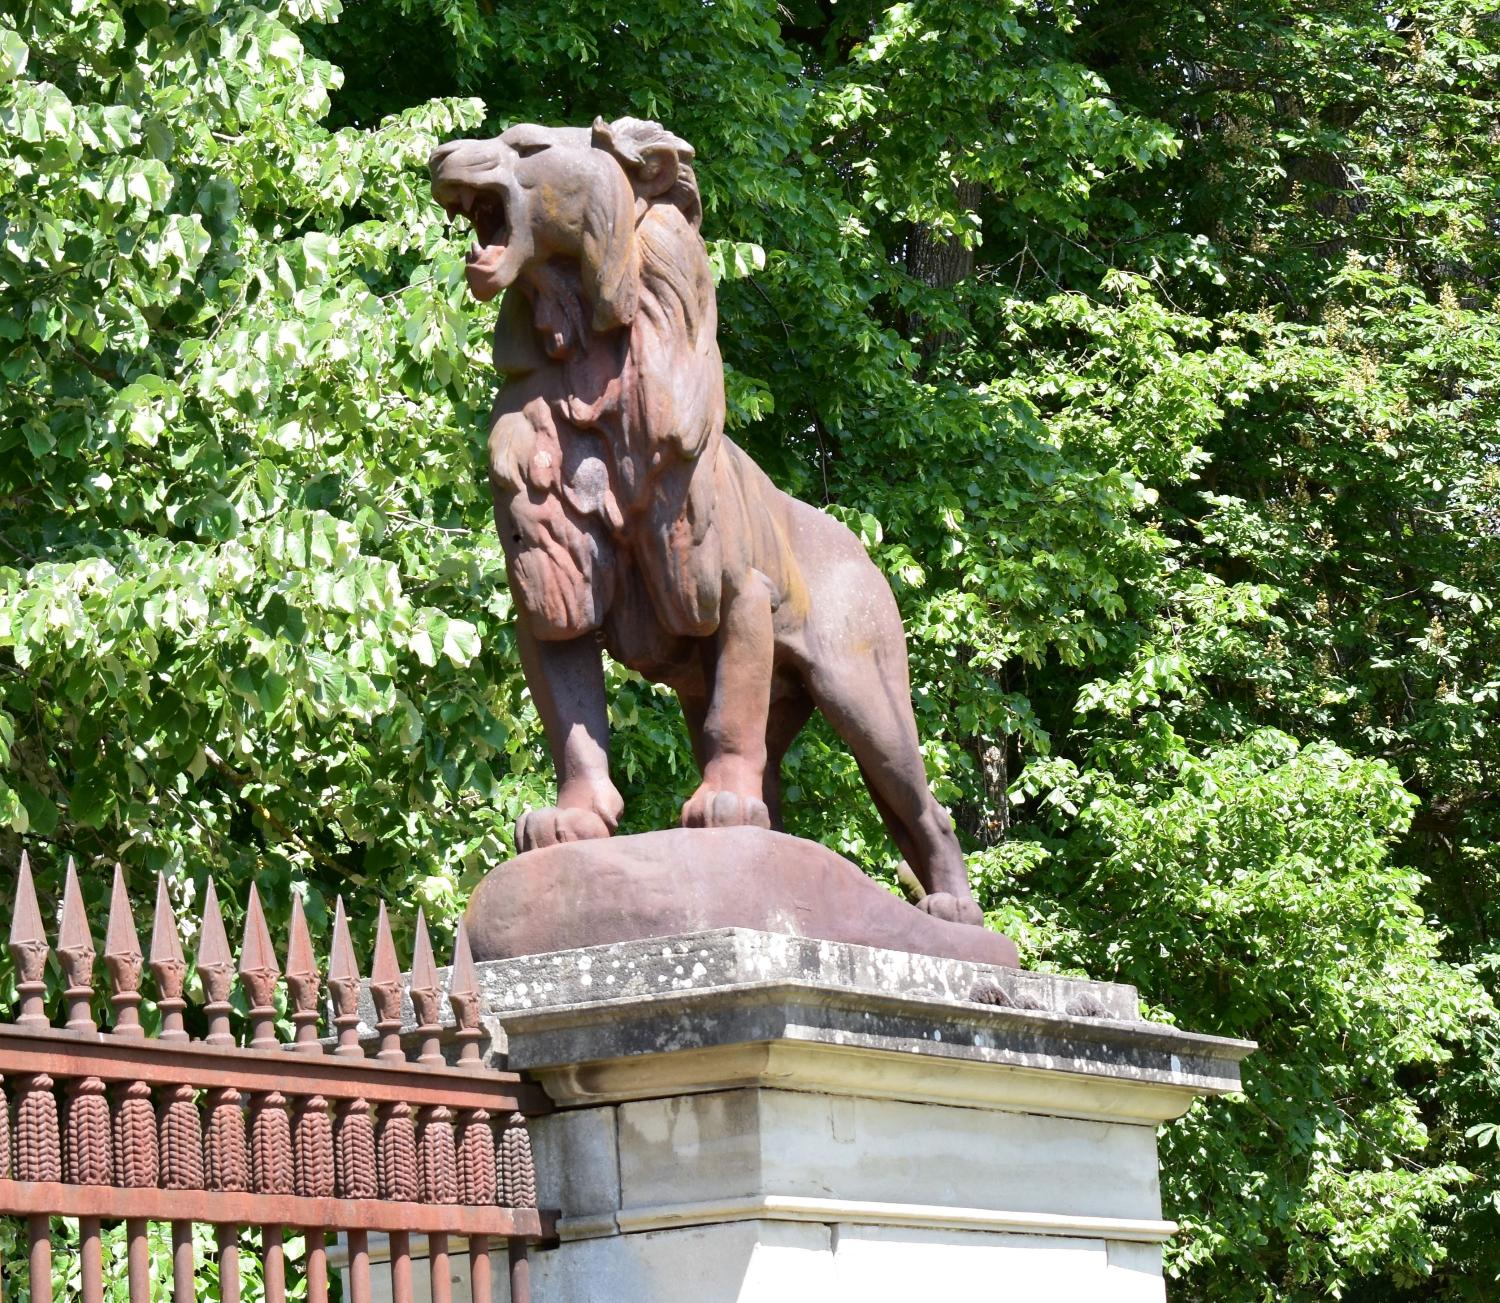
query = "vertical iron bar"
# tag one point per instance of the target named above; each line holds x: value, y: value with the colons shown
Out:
x: 400, y: 1267
x: 229, y: 1264
x: 273, y: 1256
x: 39, y: 1233
x: 439, y: 1273
x: 184, y: 1286
x: 520, y: 1273
x: 359, y: 1266
x: 317, y: 1265
x: 90, y: 1259
x: 481, y: 1287
x: 138, y: 1259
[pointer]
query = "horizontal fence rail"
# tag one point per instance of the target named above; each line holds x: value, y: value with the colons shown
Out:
x: 122, y: 1126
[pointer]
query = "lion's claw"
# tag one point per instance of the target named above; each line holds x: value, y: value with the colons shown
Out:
x: 711, y: 807
x: 538, y: 828
x: 955, y: 909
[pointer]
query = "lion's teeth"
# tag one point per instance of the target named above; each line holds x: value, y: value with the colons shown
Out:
x: 466, y: 198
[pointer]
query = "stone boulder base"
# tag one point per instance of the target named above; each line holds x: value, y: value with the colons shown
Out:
x: 660, y: 884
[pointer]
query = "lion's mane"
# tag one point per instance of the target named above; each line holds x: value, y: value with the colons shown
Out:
x: 622, y: 473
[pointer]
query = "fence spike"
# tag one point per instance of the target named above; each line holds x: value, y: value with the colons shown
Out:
x: 463, y: 996
x: 259, y: 972
x: 75, y: 951
x: 385, y: 991
x: 343, y: 984
x: 426, y: 995
x: 28, y: 949
x: 123, y: 960
x: 167, y: 964
x: 302, y: 981
x: 215, y: 968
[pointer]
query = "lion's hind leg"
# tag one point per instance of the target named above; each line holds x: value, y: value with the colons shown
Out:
x: 866, y: 699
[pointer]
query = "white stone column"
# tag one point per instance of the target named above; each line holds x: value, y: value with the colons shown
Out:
x: 748, y: 1118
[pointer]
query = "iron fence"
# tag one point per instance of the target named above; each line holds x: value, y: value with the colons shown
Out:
x: 122, y: 1126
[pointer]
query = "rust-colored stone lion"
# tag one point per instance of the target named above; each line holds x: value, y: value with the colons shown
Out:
x: 629, y: 519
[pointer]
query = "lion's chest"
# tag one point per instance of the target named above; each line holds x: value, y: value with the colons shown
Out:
x: 599, y: 535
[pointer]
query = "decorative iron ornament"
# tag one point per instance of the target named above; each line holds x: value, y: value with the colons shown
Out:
x: 89, y: 1160
x: 396, y: 1152
x: 123, y: 961
x: 226, y: 1148
x: 167, y: 965
x: 343, y: 985
x: 4, y: 1133
x: 147, y: 1127
x: 270, y: 1144
x: 302, y: 982
x: 517, y: 1166
x: 385, y: 991
x: 312, y: 1145
x: 426, y: 995
x: 354, y: 1152
x: 38, y: 1137
x: 463, y: 998
x: 180, y: 1140
x: 28, y: 950
x: 75, y: 952
x: 135, y: 1138
x: 215, y: 968
x: 259, y: 975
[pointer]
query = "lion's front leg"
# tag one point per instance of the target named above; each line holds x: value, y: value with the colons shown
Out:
x: 566, y: 678
x: 734, y: 724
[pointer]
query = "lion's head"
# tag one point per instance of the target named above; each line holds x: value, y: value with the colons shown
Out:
x: 538, y: 195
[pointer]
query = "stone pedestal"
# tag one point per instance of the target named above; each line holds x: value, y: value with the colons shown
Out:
x: 749, y: 1118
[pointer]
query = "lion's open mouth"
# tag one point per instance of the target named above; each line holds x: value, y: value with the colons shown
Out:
x: 487, y: 213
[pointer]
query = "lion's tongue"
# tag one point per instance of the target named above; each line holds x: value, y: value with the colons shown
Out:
x: 481, y: 266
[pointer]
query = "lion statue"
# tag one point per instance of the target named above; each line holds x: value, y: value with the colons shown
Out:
x: 630, y: 521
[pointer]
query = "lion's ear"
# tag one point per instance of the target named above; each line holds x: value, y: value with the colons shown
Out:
x: 653, y: 158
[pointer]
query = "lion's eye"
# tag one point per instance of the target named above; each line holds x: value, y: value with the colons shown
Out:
x: 526, y: 151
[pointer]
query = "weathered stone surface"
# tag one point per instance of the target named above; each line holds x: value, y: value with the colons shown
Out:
x: 733, y: 1008
x: 788, y: 1146
x: 735, y: 956
x: 658, y: 884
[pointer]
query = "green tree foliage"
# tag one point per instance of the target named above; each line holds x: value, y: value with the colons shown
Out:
x: 1152, y: 349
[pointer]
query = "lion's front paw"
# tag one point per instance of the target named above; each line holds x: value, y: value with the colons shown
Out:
x: 955, y: 909
x: 538, y: 828
x: 716, y: 807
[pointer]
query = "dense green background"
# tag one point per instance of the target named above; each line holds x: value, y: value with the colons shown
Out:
x: 1153, y: 348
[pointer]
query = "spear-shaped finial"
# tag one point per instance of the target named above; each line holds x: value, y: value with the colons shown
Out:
x: 302, y: 979
x: 343, y: 985
x: 167, y: 965
x: 463, y: 995
x: 259, y: 972
x: 385, y: 991
x: 215, y: 968
x: 75, y: 950
x: 122, y: 960
x: 28, y: 948
x: 426, y: 994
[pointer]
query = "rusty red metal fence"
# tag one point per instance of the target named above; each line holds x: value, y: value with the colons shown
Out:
x: 119, y: 1126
